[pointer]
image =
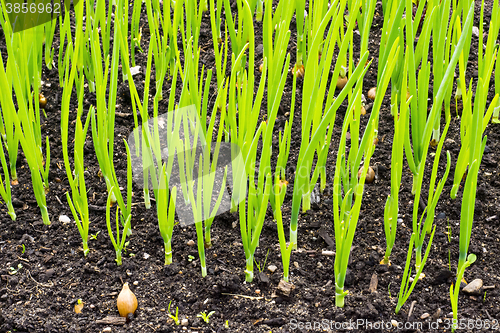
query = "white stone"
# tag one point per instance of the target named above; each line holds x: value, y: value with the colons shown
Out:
x: 473, y: 287
x: 135, y: 70
x: 64, y: 219
x: 425, y: 316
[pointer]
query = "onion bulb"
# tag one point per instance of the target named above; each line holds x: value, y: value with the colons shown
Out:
x: 42, y: 101
x: 299, y: 72
x: 363, y: 110
x: 372, y: 93
x: 126, y: 301
x: 341, y: 82
x: 370, y: 175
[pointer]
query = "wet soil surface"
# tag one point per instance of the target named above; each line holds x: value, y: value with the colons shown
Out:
x: 52, y: 273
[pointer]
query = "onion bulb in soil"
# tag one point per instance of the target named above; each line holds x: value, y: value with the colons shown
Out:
x: 341, y: 82
x: 299, y: 72
x: 42, y: 101
x: 363, y: 110
x: 370, y: 175
x: 126, y: 301
x: 372, y: 93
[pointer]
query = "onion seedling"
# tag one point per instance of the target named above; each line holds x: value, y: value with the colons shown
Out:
x: 166, y: 212
x: 78, y: 200
x: 286, y: 250
x: 243, y: 107
x: 468, y: 124
x: 345, y: 215
x: 496, y: 113
x: 442, y: 43
x: 392, y: 203
x: 79, y: 205
x: 198, y: 170
x: 345, y: 211
x: 252, y: 221
x: 126, y: 216
x: 103, y: 118
x: 391, y: 29
x: 7, y: 127
x: 474, y: 153
x: 220, y: 52
x: 317, y: 125
x: 202, y: 203
x: 5, y: 184
x: 420, y: 228
x: 25, y: 48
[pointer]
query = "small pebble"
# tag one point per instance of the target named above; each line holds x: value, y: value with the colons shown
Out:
x: 296, y: 264
x: 64, y: 219
x: 146, y: 256
x: 474, y: 287
x: 394, y: 323
x: 106, y: 329
x: 272, y: 268
x: 436, y: 315
x: 136, y: 283
x: 184, y: 322
x: 190, y: 242
x: 257, y: 291
x: 425, y: 316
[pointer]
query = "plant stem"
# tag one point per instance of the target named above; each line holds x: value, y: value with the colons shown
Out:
x: 118, y: 257
x: 168, y: 252
x: 208, y: 238
x: 340, y: 293
x: 249, y: 268
x: 85, y: 247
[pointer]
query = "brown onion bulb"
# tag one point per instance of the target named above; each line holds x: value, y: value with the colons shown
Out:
x: 126, y: 301
x: 372, y: 93
x: 362, y: 111
x: 341, y: 82
x: 299, y: 72
x: 42, y: 101
x: 370, y: 175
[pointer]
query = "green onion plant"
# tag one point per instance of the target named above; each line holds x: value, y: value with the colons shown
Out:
x: 392, y: 203
x: 467, y: 129
x: 420, y: 226
x: 5, y: 184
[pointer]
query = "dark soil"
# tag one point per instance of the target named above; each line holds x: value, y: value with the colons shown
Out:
x: 41, y: 296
